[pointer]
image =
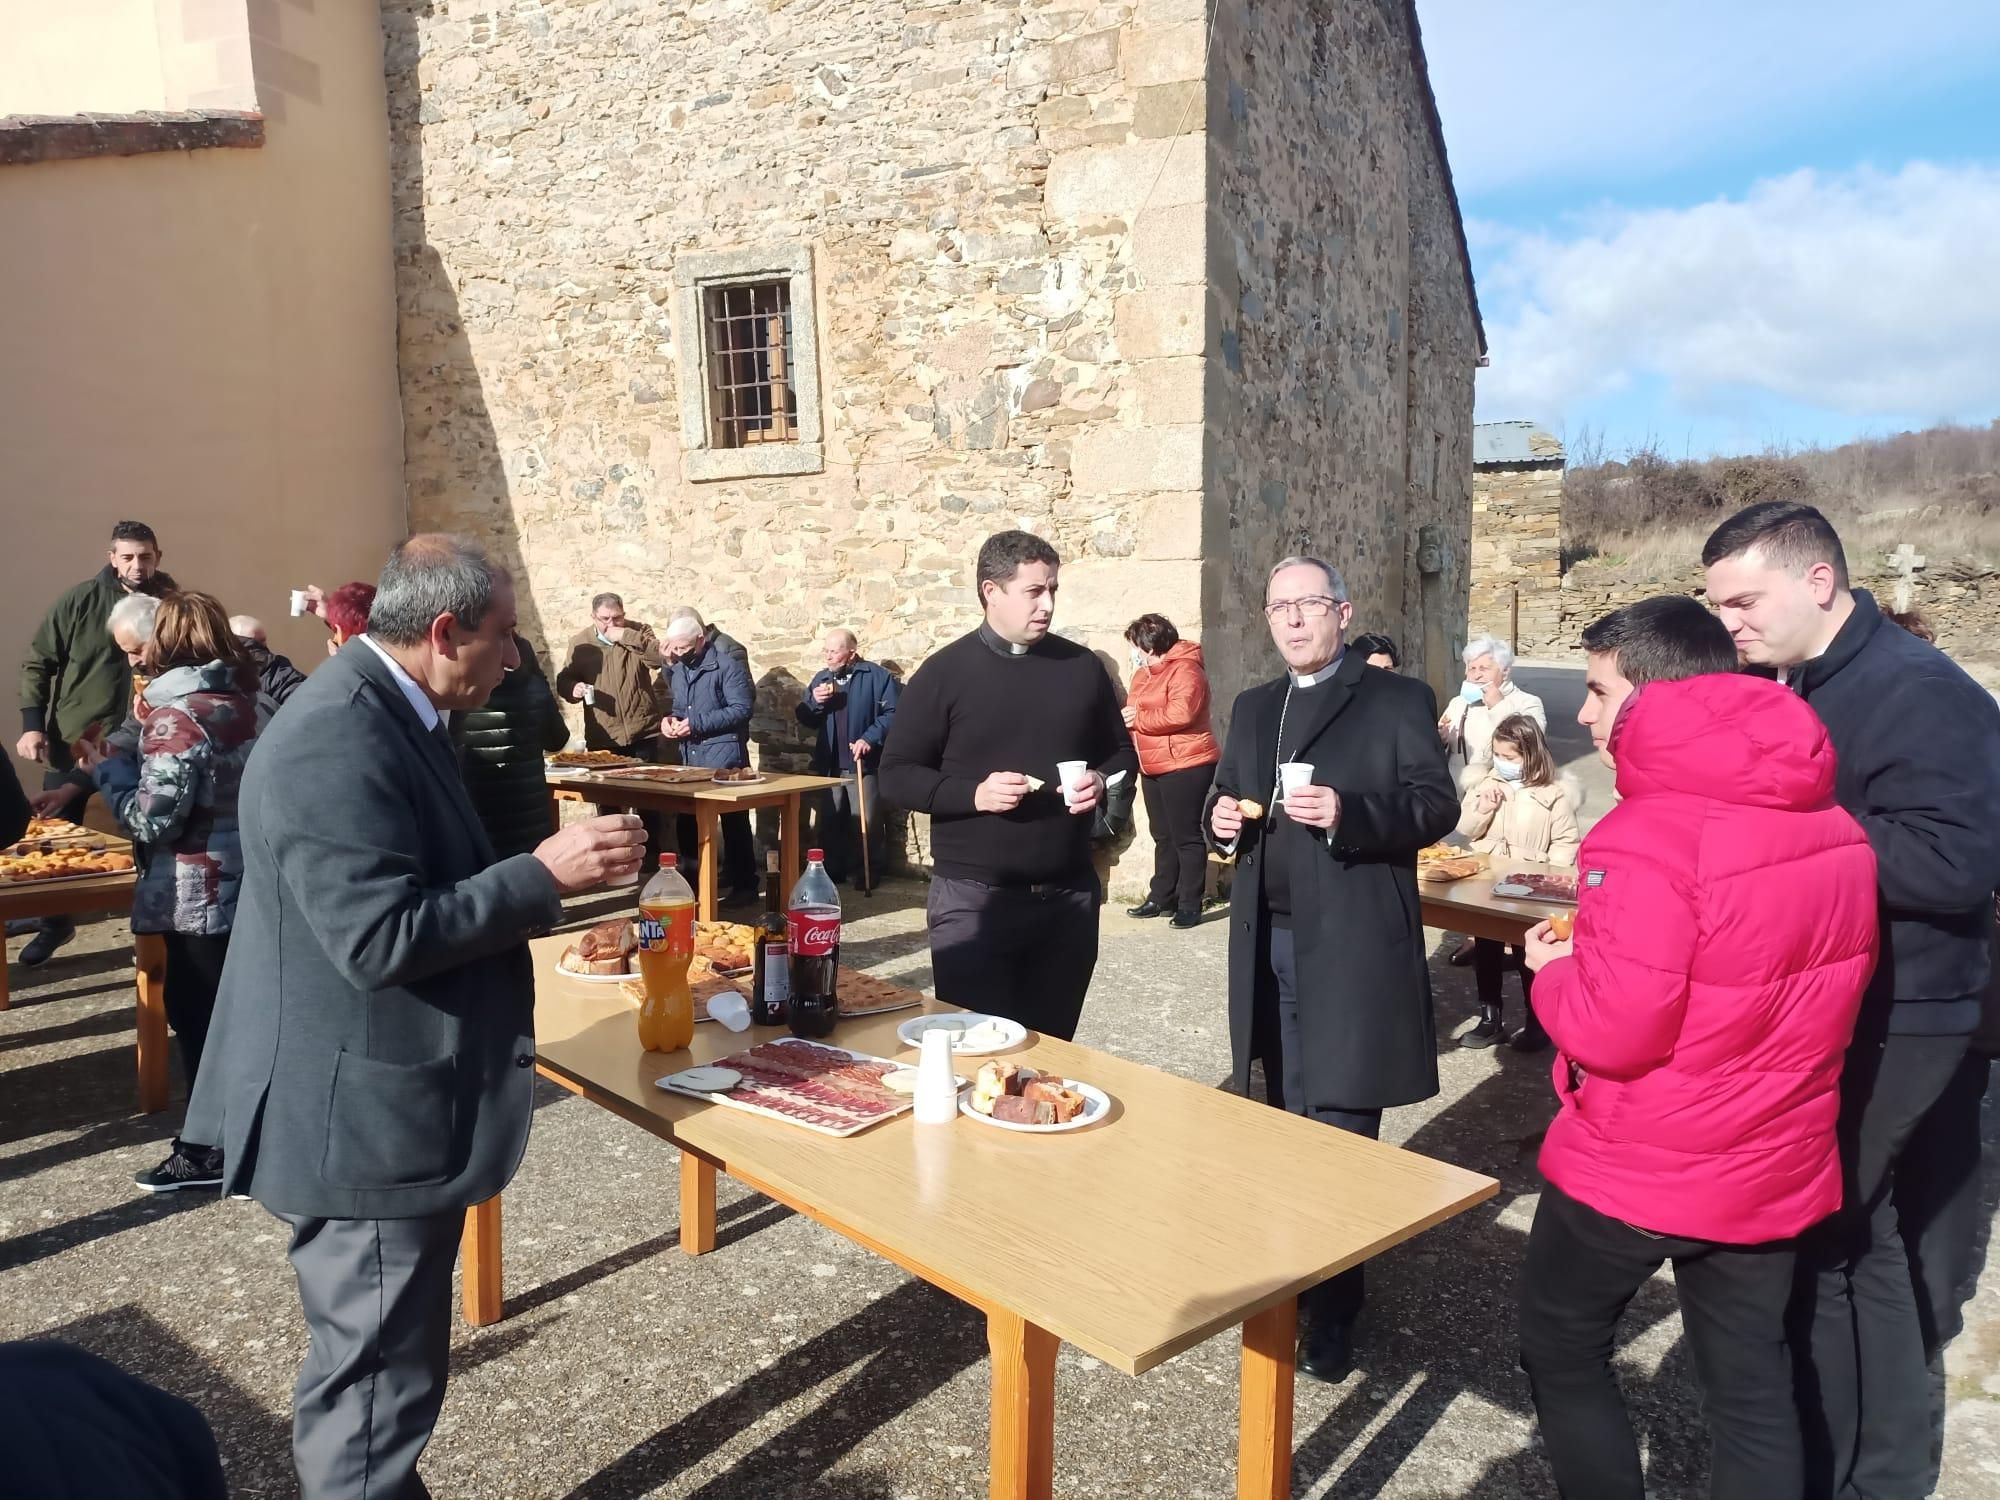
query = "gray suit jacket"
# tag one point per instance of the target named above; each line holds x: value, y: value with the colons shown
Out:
x: 372, y: 1053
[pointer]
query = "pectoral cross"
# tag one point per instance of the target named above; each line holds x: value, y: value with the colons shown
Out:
x: 1905, y: 561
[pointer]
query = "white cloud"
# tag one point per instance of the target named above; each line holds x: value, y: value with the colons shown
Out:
x: 1538, y: 91
x: 1865, y: 293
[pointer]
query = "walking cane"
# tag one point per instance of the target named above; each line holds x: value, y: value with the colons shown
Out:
x: 861, y: 813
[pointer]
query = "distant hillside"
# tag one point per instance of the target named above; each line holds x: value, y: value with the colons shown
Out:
x: 1647, y: 513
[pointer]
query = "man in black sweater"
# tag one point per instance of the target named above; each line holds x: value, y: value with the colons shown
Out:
x: 1919, y: 749
x: 975, y: 743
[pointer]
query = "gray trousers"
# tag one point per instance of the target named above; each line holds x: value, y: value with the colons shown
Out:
x: 377, y: 1299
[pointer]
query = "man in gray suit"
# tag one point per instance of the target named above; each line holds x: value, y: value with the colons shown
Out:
x: 375, y: 1025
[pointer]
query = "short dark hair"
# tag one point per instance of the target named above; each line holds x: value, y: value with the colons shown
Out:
x: 1374, y: 643
x: 1153, y: 634
x: 1663, y: 639
x: 1913, y: 622
x: 432, y: 575
x: 1791, y: 536
x: 599, y: 601
x: 1002, y: 554
x: 135, y: 531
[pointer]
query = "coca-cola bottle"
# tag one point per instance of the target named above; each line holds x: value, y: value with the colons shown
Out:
x: 812, y: 926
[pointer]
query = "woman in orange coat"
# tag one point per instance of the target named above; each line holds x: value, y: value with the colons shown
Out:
x: 1167, y: 712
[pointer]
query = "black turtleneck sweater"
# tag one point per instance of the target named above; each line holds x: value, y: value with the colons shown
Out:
x: 980, y: 706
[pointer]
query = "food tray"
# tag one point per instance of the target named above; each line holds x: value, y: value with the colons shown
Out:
x: 1510, y: 890
x: 661, y: 775
x: 37, y: 882
x: 870, y: 996
x: 902, y: 1104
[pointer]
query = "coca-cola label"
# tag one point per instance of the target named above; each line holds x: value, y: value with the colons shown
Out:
x: 812, y: 935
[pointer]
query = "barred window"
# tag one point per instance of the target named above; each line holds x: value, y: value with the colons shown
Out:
x: 750, y: 376
x: 749, y: 363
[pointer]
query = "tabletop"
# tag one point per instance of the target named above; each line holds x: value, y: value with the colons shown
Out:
x: 1187, y: 1211
x: 1474, y: 895
x: 776, y: 785
x: 55, y: 898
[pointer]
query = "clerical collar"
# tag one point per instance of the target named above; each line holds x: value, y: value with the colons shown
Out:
x: 1313, y: 679
x: 997, y: 643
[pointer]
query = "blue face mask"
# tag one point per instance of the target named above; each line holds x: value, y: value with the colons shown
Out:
x: 1472, y: 692
x: 1507, y: 770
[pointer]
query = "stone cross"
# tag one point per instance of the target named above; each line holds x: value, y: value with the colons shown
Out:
x: 1905, y: 562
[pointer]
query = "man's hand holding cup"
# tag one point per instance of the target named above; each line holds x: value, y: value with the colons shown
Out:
x: 1307, y: 805
x: 607, y: 850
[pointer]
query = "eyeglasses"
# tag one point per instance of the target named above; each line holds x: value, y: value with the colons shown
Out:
x: 1312, y: 607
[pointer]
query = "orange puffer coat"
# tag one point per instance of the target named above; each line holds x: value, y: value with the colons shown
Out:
x: 1171, y: 701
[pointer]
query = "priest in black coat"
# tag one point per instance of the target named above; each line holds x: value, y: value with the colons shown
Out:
x: 1328, y: 980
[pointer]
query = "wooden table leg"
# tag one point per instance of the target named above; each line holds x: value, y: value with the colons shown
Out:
x: 1264, y: 1434
x: 1024, y: 1408
x: 149, y: 952
x: 480, y: 1262
x: 4, y: 1001
x: 789, y: 826
x: 697, y: 1204
x: 708, y: 833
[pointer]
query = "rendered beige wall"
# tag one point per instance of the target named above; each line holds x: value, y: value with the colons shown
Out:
x: 206, y: 341
x: 66, y: 57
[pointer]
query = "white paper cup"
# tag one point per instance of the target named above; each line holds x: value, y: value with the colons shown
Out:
x: 298, y: 602
x: 731, y: 1009
x: 1070, y: 775
x: 1292, y: 775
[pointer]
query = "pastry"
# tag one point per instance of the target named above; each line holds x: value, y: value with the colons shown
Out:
x: 1015, y: 1109
x: 1251, y: 808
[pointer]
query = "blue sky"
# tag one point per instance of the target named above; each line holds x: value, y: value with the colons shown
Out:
x: 1727, y: 226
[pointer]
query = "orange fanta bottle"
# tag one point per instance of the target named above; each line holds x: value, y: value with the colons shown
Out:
x: 666, y: 948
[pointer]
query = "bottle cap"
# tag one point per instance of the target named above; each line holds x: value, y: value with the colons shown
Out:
x: 816, y: 856
x: 669, y: 861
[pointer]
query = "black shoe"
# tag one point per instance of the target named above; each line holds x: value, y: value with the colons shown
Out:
x: 1462, y: 959
x: 188, y: 1167
x: 1327, y: 1351
x: 1530, y: 1038
x: 42, y: 946
x: 22, y: 926
x: 1185, y: 919
x: 1487, y: 1032
x: 1147, y: 908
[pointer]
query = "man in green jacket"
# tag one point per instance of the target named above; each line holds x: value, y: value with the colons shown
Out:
x: 75, y: 676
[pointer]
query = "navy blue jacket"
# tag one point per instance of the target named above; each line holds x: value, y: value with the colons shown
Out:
x: 870, y: 699
x: 1919, y: 748
x: 714, y: 694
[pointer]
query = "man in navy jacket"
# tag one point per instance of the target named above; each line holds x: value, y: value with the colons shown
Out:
x: 714, y: 699
x: 849, y: 702
x: 1919, y: 748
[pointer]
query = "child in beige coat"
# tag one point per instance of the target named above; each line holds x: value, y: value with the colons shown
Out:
x: 1520, y: 810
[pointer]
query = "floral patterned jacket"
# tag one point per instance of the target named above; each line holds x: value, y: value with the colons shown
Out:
x: 176, y: 797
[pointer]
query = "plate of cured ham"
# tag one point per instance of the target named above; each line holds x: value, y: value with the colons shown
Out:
x: 827, y: 1089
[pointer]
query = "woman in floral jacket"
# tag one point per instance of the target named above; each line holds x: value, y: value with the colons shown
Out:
x: 197, y: 706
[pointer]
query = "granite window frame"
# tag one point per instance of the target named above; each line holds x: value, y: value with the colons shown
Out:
x: 695, y: 276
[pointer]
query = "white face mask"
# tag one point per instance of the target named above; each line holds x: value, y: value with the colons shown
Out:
x: 1138, y: 660
x: 1507, y: 770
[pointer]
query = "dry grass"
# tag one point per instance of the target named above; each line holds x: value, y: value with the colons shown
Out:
x: 1673, y: 549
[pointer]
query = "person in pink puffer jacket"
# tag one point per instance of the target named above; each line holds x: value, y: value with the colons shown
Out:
x: 1725, y: 930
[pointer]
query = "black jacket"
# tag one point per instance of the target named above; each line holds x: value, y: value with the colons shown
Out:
x: 501, y: 745
x: 1367, y: 1035
x: 276, y: 675
x: 869, y: 696
x: 14, y: 810
x: 1919, y: 748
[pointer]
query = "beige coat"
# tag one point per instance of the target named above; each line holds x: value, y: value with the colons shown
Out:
x: 1534, y: 822
x: 1472, y: 727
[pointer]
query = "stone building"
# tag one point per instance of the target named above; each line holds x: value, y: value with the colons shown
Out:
x: 1517, y: 494
x: 781, y: 310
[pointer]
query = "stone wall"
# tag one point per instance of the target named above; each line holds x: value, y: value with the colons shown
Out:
x: 1340, y: 386
x: 1517, y: 545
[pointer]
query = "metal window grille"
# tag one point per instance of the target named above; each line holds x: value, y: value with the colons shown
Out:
x: 751, y: 391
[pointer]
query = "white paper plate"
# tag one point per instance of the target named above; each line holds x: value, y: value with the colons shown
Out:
x: 1097, y: 1105
x: 575, y: 978
x: 1012, y: 1033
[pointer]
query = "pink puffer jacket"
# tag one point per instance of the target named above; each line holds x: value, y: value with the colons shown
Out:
x: 1725, y: 931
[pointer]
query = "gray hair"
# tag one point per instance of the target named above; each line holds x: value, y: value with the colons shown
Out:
x: 1336, y: 586
x: 684, y: 627
x: 1488, y: 645
x: 136, y: 613
x: 688, y: 612
x: 602, y: 600
x: 246, y: 627
x: 431, y: 575
x: 843, y: 633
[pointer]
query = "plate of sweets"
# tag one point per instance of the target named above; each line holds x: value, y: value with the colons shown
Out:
x: 1011, y: 1097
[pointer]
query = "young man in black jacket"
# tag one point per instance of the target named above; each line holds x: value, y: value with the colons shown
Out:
x: 975, y: 743
x: 1919, y: 748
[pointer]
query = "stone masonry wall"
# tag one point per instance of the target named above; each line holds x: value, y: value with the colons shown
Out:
x: 1005, y: 339
x: 1340, y: 389
x: 1517, y: 544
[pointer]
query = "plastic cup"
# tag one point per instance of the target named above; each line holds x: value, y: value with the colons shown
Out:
x: 298, y: 602
x: 1292, y: 775
x: 731, y: 1009
x: 1070, y: 775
